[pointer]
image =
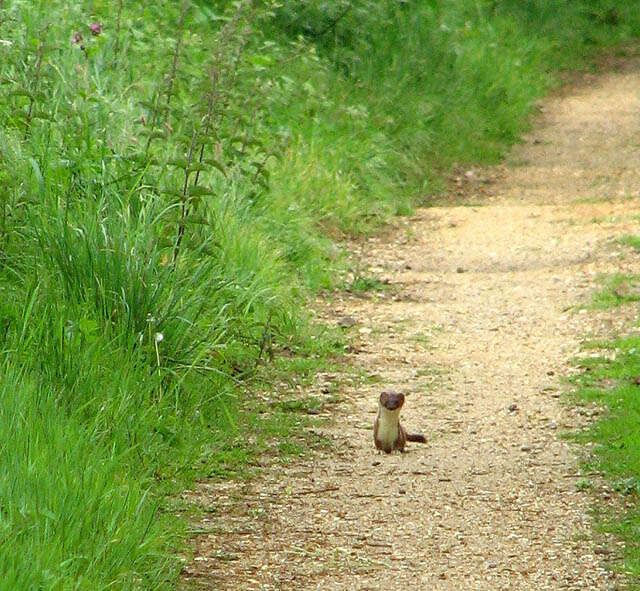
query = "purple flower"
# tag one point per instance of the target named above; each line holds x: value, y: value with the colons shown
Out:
x: 77, y: 37
x: 95, y: 28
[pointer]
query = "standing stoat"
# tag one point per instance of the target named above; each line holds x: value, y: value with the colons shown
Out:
x: 388, y: 433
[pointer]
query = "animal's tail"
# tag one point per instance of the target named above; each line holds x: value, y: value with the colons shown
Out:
x: 416, y: 437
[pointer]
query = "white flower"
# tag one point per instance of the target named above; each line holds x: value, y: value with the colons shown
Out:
x: 159, y: 337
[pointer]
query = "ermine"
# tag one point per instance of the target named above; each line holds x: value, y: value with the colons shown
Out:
x: 388, y: 433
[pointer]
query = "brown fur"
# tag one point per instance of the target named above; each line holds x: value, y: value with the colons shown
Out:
x: 388, y: 433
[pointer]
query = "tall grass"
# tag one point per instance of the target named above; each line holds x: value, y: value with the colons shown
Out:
x: 427, y: 86
x: 172, y: 179
x: 140, y: 284
x: 76, y: 515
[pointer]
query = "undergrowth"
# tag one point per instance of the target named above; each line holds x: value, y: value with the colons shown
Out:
x: 173, y: 179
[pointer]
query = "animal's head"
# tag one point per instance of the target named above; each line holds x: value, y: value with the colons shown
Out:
x: 391, y: 400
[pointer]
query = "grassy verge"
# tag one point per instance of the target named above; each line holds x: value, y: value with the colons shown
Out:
x: 424, y: 87
x: 610, y: 379
x: 172, y: 179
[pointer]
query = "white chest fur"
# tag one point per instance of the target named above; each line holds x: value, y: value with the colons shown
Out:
x: 387, y: 426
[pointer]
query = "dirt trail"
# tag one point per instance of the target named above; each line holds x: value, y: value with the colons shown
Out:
x: 479, y: 327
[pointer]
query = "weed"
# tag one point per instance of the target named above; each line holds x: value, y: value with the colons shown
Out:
x: 362, y: 284
x: 310, y: 405
x: 630, y: 241
x: 584, y: 484
x: 617, y: 289
x: 422, y: 338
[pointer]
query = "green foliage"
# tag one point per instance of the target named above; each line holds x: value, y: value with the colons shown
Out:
x: 143, y: 281
x: 172, y: 177
x: 76, y: 515
x: 611, y: 380
x: 424, y: 86
x: 631, y: 241
x: 617, y: 289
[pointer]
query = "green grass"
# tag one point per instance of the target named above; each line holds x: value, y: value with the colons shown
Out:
x: 630, y: 241
x: 171, y: 188
x: 428, y: 86
x: 617, y: 289
x: 610, y: 381
x: 362, y: 283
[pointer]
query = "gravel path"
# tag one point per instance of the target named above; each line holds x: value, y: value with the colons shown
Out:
x: 479, y: 325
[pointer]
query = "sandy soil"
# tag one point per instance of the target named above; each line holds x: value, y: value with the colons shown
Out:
x: 482, y: 318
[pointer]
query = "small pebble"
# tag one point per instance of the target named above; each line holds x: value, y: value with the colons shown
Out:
x: 347, y: 322
x: 601, y: 550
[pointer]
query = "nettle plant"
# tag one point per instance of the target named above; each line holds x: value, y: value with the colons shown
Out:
x: 45, y: 91
x: 203, y: 129
x: 128, y: 145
